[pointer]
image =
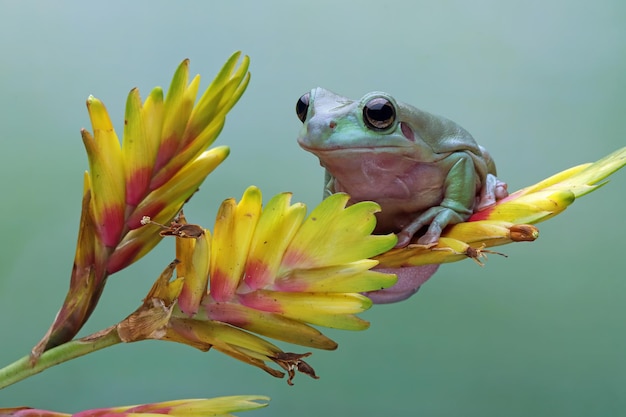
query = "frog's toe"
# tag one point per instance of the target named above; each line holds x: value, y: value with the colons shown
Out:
x: 501, y: 190
x: 404, y: 238
x: 492, y: 191
x: 431, y: 237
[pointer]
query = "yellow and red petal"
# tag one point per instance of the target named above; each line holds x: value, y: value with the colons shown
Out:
x: 551, y: 196
x: 528, y: 208
x: 85, y: 247
x: 324, y: 309
x: 277, y: 225
x: 333, y: 234
x: 30, y: 412
x: 106, y: 174
x: 221, y: 95
x: 189, y: 129
x: 234, y: 227
x: 172, y: 156
x: 269, y: 324
x: 194, y: 255
x: 174, y: 115
x: 220, y: 406
x: 446, y: 250
x: 179, y: 188
x: 136, y: 151
x: 583, y: 181
x: 205, y: 334
x: 352, y: 277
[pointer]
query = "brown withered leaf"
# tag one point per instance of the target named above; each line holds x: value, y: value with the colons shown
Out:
x: 149, y: 321
x: 192, y: 231
x: 162, y: 288
x: 291, y: 362
x: 180, y: 228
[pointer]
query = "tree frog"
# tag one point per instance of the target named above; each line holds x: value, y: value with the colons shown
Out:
x: 424, y: 170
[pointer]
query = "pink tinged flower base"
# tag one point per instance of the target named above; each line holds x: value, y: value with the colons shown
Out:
x: 221, y: 286
x: 29, y: 412
x: 230, y: 313
x: 167, y: 151
x: 481, y: 215
x: 486, y: 213
x: 261, y: 301
x: 123, y: 256
x: 137, y: 185
x: 257, y: 275
x: 294, y: 258
x: 273, y: 325
x: 220, y: 406
x: 111, y: 225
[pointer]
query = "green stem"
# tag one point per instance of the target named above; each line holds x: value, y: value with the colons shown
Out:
x: 24, y: 368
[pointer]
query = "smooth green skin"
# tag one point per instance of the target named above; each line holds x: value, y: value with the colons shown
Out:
x: 423, y: 169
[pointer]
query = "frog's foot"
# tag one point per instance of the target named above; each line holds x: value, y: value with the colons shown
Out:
x: 438, y: 218
x: 492, y: 191
x: 410, y: 279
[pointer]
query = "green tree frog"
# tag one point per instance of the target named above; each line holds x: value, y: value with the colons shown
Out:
x: 425, y: 171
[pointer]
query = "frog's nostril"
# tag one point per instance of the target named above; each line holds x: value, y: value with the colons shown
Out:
x: 332, y: 124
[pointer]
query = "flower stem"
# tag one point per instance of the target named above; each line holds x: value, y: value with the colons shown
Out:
x: 24, y: 368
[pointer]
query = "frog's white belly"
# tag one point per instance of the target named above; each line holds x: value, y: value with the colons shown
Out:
x: 401, y: 185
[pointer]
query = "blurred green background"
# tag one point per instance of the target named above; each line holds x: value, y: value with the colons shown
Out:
x: 541, y: 84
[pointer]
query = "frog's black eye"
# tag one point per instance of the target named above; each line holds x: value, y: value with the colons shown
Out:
x: 379, y: 113
x: 302, y: 107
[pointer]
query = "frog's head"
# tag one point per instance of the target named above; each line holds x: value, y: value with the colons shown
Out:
x: 376, y: 123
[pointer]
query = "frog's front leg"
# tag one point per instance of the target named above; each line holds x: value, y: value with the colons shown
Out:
x: 329, y: 184
x: 456, y: 206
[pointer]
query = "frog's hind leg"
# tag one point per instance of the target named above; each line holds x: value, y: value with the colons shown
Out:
x: 492, y: 191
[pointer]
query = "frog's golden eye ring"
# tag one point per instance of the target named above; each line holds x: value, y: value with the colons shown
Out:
x: 302, y: 107
x: 379, y: 114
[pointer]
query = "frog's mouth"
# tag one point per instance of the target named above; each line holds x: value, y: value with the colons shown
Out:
x: 356, y: 149
x: 365, y: 152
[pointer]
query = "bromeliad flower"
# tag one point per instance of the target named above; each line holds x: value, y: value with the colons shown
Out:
x: 160, y: 163
x: 269, y: 272
x: 509, y: 220
x: 221, y: 406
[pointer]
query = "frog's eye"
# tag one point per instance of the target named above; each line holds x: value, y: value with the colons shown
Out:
x: 379, y: 113
x: 302, y: 107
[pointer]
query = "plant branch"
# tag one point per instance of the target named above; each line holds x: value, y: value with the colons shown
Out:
x: 24, y: 367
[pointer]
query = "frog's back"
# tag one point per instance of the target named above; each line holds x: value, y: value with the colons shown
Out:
x: 445, y: 136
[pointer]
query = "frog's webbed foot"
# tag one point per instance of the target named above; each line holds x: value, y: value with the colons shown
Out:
x: 492, y: 191
x: 438, y: 218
